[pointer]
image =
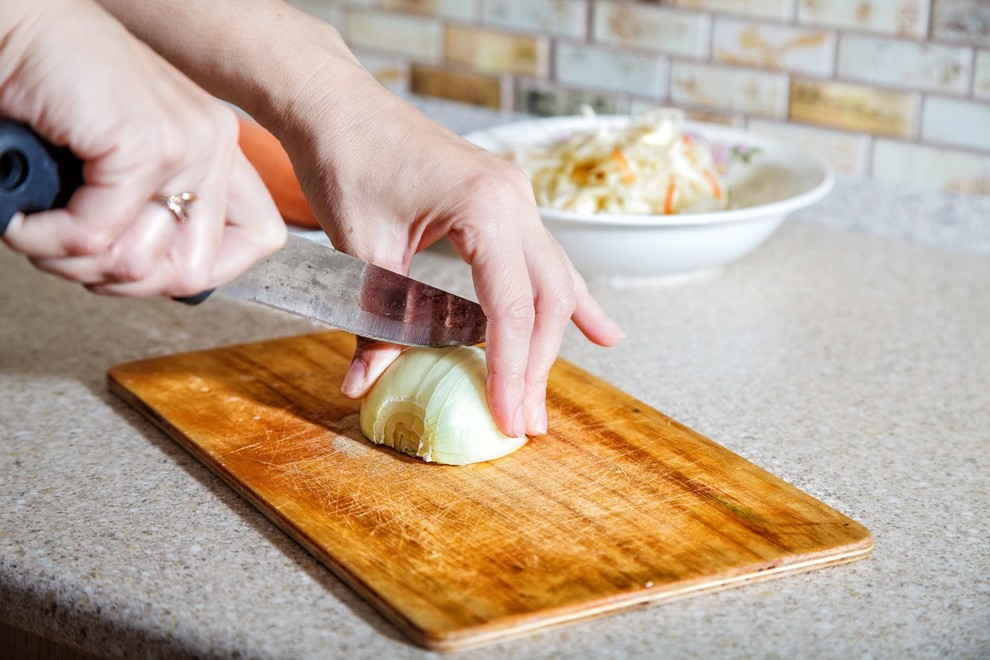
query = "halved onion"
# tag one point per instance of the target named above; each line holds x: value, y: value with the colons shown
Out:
x: 431, y: 403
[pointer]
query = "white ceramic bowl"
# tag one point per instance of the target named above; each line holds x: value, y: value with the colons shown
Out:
x: 778, y: 180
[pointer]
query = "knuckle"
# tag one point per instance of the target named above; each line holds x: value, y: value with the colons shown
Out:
x: 558, y: 306
x: 189, y: 283
x: 129, y: 268
x: 518, y: 315
x: 88, y: 243
x: 224, y: 123
x: 503, y: 185
x: 171, y: 144
x: 272, y: 238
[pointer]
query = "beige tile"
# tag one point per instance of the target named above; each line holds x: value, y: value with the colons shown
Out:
x: 981, y: 75
x: 926, y: 166
x: 774, y: 46
x: 419, y: 37
x: 579, y: 65
x: 537, y: 97
x: 956, y: 121
x: 962, y: 21
x: 651, y: 28
x: 904, y: 63
x: 560, y: 17
x: 728, y: 89
x: 462, y: 10
x: 777, y: 9
x: 853, y: 107
x: 474, y: 88
x: 907, y: 18
x: 847, y: 153
x: 497, y: 52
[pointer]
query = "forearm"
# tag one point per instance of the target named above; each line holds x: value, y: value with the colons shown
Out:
x: 256, y: 54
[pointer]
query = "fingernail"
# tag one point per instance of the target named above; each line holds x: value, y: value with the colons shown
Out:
x: 353, y: 383
x: 519, y: 423
x: 541, y: 424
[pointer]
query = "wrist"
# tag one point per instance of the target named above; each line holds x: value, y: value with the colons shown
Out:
x: 280, y: 63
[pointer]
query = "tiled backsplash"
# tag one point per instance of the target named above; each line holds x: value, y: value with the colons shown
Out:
x: 894, y: 89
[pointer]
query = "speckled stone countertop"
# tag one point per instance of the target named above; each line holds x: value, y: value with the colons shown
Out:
x: 849, y: 355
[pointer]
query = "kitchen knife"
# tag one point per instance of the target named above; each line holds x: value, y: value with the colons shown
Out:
x: 304, y: 278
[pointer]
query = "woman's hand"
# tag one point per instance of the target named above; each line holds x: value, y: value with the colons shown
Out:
x: 386, y: 182
x: 78, y: 78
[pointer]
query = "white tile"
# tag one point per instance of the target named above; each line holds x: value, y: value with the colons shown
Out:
x: 612, y: 70
x: 651, y: 28
x: 903, y: 63
x: 962, y: 21
x: 567, y: 17
x: 729, y: 88
x: 847, y: 153
x: 908, y: 18
x: 774, y: 46
x: 777, y: 9
x: 926, y: 166
x: 396, y: 33
x: 331, y: 12
x: 981, y: 75
x: 956, y: 121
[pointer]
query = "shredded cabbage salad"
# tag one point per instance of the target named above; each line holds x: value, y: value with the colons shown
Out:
x: 650, y: 166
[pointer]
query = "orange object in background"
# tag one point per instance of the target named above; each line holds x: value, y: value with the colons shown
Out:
x: 272, y: 163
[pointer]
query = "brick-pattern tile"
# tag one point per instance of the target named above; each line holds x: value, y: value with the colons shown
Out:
x: 903, y: 63
x: 497, y: 52
x: 461, y: 10
x: 462, y: 86
x: 651, y: 28
x: 981, y: 75
x: 777, y: 9
x: 926, y: 166
x: 847, y: 153
x: 869, y: 84
x: 729, y: 89
x: 567, y: 18
x: 416, y: 36
x: 962, y: 21
x: 774, y: 46
x: 579, y: 65
x: 907, y: 18
x: 540, y: 98
x: 854, y: 107
x: 956, y: 121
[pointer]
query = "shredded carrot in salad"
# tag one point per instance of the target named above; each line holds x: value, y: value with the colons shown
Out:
x: 649, y: 166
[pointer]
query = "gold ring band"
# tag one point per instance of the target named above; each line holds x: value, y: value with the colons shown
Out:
x: 177, y: 204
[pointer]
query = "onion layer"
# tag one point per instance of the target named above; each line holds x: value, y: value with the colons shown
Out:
x: 431, y: 403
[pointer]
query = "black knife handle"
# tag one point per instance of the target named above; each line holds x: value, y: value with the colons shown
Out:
x: 36, y: 176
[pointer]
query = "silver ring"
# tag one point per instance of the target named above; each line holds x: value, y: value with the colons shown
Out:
x: 177, y: 204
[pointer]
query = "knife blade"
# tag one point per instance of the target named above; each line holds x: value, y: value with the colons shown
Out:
x: 304, y: 278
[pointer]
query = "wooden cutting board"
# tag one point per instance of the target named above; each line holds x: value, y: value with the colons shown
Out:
x: 618, y: 507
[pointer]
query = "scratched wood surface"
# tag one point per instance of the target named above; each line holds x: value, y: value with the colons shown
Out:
x: 618, y: 507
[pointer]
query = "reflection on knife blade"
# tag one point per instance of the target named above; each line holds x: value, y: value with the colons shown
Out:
x: 326, y: 285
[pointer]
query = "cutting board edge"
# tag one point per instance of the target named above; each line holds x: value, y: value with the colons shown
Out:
x: 510, y: 629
